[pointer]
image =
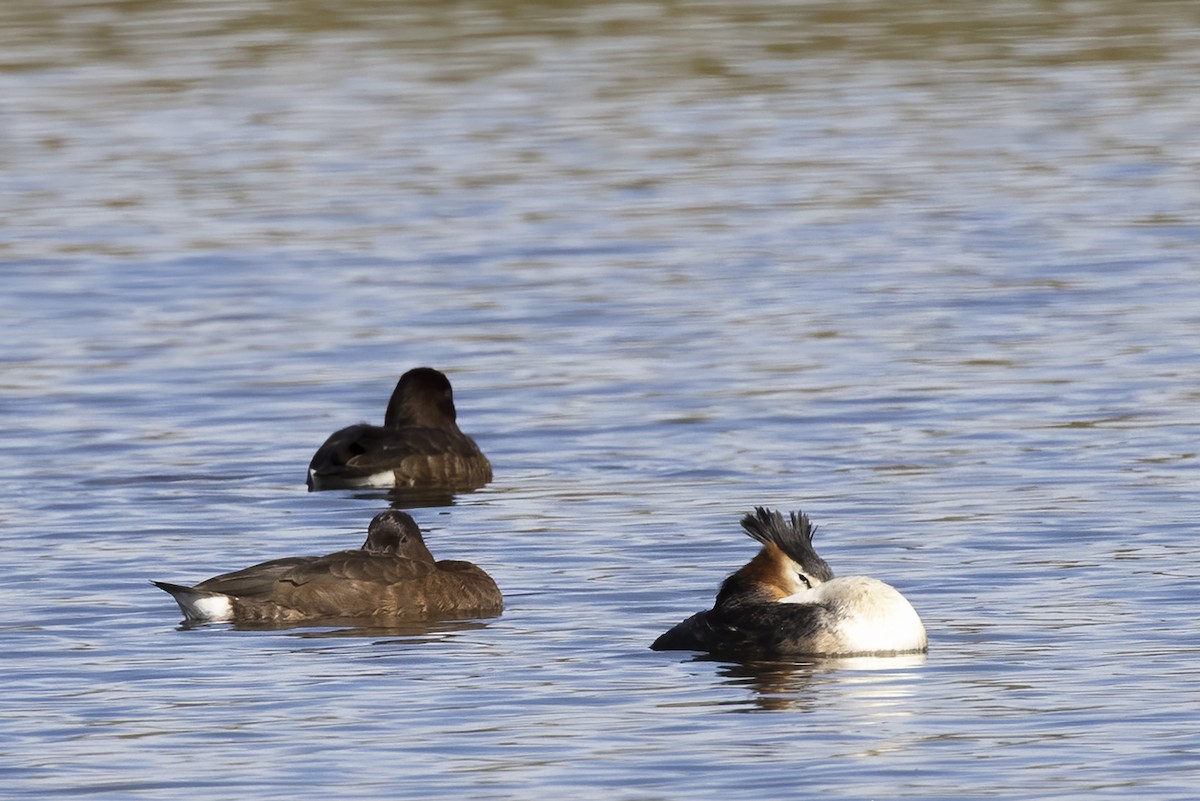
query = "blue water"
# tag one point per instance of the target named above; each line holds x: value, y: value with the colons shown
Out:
x: 929, y: 275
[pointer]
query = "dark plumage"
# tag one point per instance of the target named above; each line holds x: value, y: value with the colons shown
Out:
x: 393, y: 575
x: 419, y: 444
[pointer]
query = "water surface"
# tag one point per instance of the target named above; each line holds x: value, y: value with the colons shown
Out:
x: 927, y: 273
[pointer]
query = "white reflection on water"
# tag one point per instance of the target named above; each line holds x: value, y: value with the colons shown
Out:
x: 868, y: 694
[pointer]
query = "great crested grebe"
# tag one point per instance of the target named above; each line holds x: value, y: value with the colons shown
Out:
x: 786, y: 602
x: 419, y: 444
x: 393, y: 575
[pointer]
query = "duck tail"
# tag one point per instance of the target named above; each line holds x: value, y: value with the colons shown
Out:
x: 199, y: 606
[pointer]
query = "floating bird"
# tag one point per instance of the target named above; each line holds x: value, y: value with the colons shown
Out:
x: 393, y: 575
x: 786, y: 602
x: 419, y: 444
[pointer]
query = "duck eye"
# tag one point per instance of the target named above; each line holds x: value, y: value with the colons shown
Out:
x: 804, y: 579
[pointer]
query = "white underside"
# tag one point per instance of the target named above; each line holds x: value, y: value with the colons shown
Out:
x: 374, y: 481
x: 207, y: 608
x: 871, y: 616
x: 385, y: 479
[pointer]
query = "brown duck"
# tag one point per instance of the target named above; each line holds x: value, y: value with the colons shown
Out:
x: 393, y: 575
x: 419, y: 444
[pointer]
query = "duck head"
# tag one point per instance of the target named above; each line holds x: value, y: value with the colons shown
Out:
x: 422, y: 398
x: 394, y: 533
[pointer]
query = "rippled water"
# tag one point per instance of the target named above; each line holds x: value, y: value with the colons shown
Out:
x: 927, y: 271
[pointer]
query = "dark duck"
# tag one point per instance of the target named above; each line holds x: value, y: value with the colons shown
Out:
x: 393, y: 575
x: 418, y: 446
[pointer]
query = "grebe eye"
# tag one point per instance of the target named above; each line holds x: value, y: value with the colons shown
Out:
x: 804, y: 579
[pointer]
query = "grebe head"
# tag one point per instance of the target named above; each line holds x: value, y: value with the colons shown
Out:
x: 786, y: 565
x: 793, y: 538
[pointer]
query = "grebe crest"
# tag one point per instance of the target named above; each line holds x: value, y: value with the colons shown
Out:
x: 787, y: 563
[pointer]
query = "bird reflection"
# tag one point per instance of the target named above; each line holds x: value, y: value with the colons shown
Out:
x: 407, y: 497
x: 796, y: 684
x: 410, y: 631
x: 413, y: 498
